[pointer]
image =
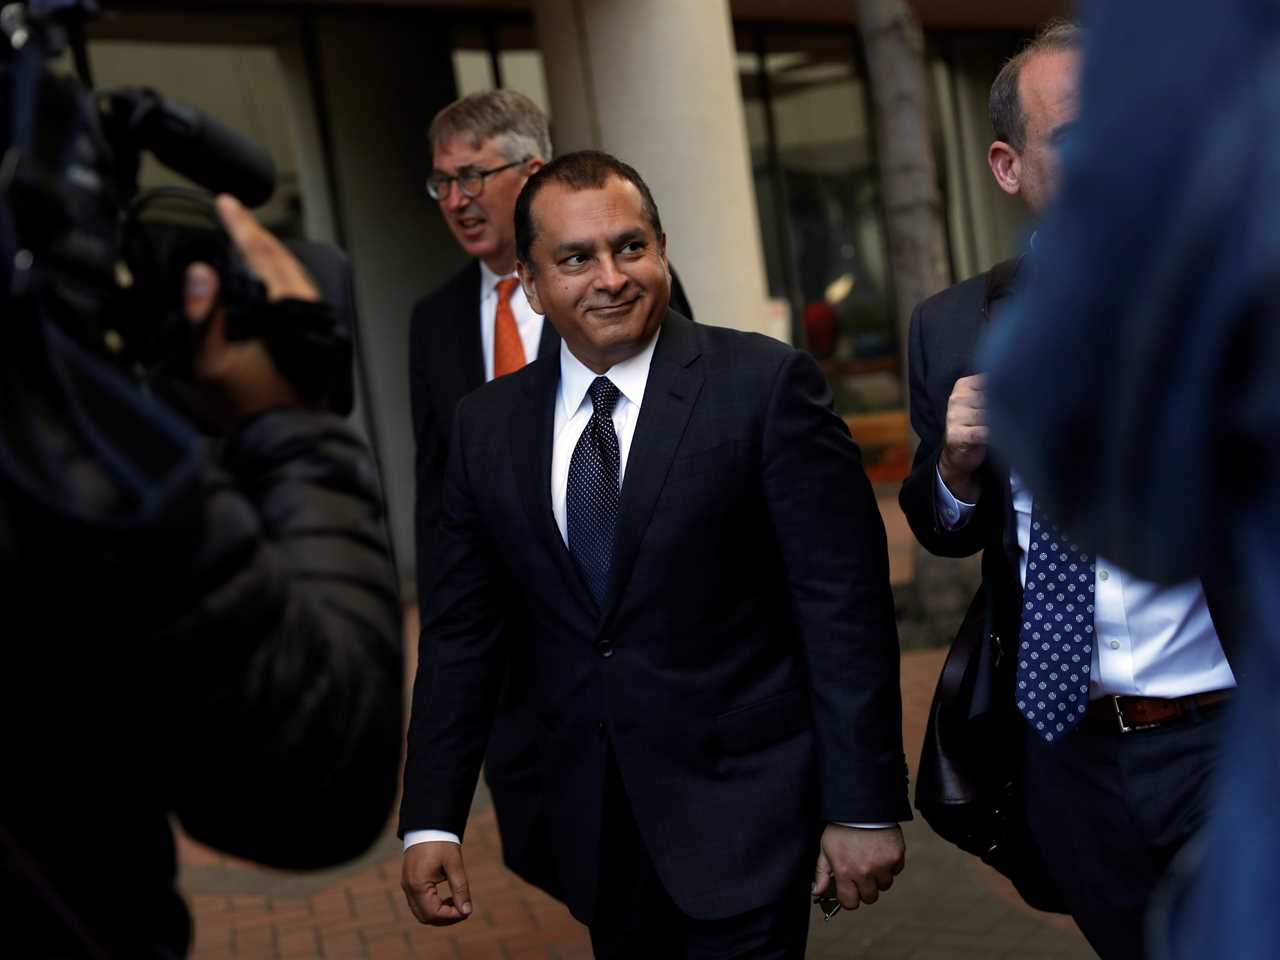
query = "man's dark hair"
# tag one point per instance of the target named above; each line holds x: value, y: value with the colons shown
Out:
x: 1008, y: 120
x: 583, y: 170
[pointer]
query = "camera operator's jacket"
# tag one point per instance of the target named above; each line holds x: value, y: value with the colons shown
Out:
x: 235, y: 664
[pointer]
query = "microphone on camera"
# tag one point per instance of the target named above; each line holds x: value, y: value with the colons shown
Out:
x: 194, y: 144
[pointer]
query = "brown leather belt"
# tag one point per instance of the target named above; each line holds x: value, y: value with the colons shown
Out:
x: 1127, y: 714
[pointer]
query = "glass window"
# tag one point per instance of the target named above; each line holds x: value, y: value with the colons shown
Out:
x: 520, y: 62
x: 472, y: 64
x: 984, y: 225
x: 488, y: 56
x: 471, y: 71
x: 818, y: 193
x: 522, y: 71
x: 767, y: 185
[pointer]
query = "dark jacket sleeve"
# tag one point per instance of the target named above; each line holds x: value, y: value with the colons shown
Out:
x: 918, y: 494
x: 287, y: 726
x: 836, y: 559
x: 461, y: 659
x: 430, y: 443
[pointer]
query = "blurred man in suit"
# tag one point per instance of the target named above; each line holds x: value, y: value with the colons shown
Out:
x: 478, y: 326
x: 677, y: 523
x: 1155, y: 431
x: 1118, y: 682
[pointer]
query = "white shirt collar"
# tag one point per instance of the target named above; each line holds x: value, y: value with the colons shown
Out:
x: 630, y: 376
x: 489, y: 280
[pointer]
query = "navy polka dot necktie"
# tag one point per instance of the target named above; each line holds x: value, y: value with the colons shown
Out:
x: 1056, y: 639
x: 591, y: 502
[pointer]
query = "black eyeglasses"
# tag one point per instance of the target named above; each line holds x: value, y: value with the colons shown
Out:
x: 469, y: 181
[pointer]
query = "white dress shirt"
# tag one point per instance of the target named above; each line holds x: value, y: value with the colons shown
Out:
x: 1153, y: 641
x: 573, y: 411
x: 528, y: 323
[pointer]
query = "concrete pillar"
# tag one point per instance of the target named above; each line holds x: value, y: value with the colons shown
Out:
x: 655, y: 83
x: 381, y: 82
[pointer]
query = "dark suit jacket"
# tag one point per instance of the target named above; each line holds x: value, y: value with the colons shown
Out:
x: 942, y: 342
x: 744, y: 669
x: 446, y: 362
x: 945, y: 330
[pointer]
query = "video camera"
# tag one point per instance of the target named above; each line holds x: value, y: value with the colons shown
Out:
x: 82, y: 248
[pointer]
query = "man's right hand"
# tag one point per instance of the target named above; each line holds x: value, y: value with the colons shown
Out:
x: 964, y: 448
x: 237, y: 378
x: 426, y: 867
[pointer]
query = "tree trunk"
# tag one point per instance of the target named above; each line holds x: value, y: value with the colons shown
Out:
x: 894, y: 46
x: 930, y: 610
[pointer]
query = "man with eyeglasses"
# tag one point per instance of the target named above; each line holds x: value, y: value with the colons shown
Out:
x: 478, y: 326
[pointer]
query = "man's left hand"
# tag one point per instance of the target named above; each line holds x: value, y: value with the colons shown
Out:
x: 861, y: 862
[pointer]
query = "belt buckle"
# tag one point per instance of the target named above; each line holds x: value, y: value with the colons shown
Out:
x: 1126, y: 727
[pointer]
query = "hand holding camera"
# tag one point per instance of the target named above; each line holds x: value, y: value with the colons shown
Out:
x: 237, y: 378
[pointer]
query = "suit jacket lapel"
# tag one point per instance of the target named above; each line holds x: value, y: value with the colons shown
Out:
x: 470, y: 350
x: 669, y: 396
x: 530, y: 436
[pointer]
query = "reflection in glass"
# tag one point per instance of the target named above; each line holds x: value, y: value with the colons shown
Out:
x: 813, y: 157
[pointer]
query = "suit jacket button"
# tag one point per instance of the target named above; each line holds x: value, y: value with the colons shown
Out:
x: 600, y: 728
x: 605, y: 649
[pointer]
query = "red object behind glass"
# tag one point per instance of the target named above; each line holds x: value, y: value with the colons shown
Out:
x: 820, y: 328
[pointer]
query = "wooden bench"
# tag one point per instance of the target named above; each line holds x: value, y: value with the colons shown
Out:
x: 888, y: 428
x: 885, y: 441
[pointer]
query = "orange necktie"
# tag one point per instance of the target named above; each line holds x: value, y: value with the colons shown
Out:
x: 508, y: 351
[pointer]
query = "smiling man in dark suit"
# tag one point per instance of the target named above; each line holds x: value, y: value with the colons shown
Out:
x: 478, y: 326
x: 677, y: 524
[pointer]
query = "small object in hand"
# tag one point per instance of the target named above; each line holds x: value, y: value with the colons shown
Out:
x: 829, y: 906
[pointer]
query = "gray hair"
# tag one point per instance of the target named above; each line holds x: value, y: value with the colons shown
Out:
x: 1008, y: 120
x: 511, y: 118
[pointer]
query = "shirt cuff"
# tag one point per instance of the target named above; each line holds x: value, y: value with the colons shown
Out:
x: 429, y: 836
x: 856, y: 826
x: 952, y: 512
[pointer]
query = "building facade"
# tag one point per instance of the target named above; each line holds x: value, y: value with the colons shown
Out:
x: 751, y: 120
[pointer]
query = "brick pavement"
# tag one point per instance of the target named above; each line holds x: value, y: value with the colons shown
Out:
x: 945, y: 907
